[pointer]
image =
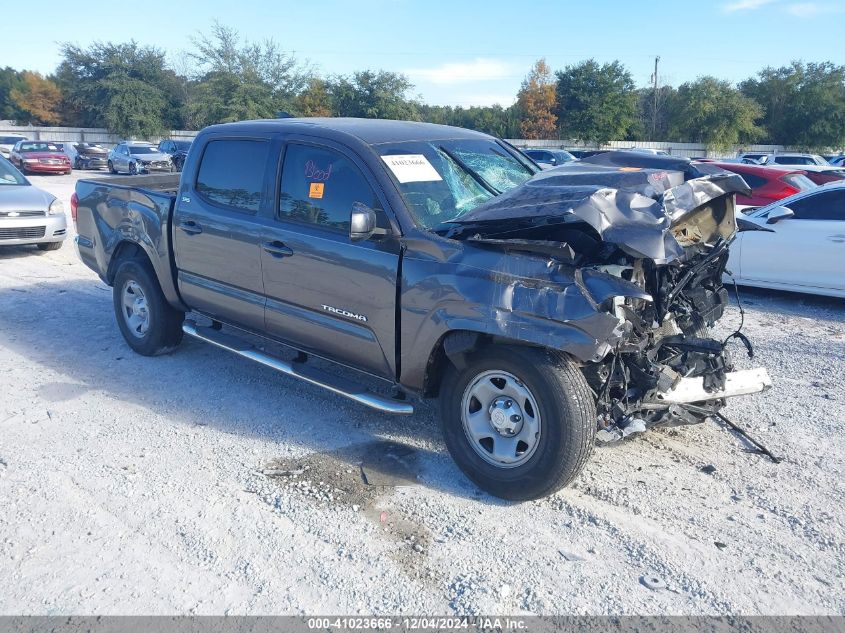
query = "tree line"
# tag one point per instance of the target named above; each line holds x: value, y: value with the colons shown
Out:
x: 136, y: 91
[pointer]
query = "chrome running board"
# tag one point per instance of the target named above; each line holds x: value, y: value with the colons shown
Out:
x: 336, y: 384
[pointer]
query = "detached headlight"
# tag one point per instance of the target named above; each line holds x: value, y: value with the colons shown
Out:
x: 56, y: 208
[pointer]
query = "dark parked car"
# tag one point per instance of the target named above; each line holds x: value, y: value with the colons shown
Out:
x: 767, y: 183
x: 87, y: 155
x: 549, y: 157
x: 177, y: 150
x: 541, y: 308
x: 43, y: 157
x: 584, y: 153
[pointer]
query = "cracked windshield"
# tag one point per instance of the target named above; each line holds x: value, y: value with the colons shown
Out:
x: 443, y: 180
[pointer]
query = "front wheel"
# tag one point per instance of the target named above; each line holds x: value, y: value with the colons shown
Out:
x: 112, y: 170
x: 133, y: 169
x: 150, y: 325
x: 519, y: 421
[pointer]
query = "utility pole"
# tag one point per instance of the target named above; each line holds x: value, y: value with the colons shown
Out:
x: 654, y: 109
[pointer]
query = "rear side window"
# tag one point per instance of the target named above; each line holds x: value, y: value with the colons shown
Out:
x: 827, y: 205
x: 232, y: 173
x: 754, y: 181
x: 319, y: 187
x: 794, y: 160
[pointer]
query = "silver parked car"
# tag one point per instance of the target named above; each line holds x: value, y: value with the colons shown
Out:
x: 137, y: 158
x: 28, y: 215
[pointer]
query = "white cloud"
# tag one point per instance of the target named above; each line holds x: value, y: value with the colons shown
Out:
x: 745, y: 5
x: 462, y: 72
x: 467, y: 99
x: 810, y: 9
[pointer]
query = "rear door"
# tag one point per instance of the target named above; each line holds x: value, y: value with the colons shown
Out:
x: 324, y: 292
x: 805, y: 250
x: 217, y: 230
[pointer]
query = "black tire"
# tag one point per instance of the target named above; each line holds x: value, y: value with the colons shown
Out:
x: 50, y: 246
x: 567, y: 413
x: 77, y: 164
x: 164, y: 331
x: 133, y: 169
x: 112, y: 170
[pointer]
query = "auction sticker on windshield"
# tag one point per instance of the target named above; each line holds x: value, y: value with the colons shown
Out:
x: 411, y: 168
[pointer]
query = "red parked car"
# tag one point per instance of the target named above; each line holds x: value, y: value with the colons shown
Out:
x: 39, y: 157
x: 767, y: 183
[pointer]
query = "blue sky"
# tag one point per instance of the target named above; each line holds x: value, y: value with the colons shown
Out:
x: 463, y: 52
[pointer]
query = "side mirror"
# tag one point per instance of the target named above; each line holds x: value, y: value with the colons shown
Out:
x: 553, y: 161
x: 362, y: 222
x: 779, y: 213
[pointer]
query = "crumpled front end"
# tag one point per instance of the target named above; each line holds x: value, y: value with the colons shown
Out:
x: 647, y: 244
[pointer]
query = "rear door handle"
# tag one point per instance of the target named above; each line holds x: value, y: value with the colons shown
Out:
x: 189, y: 226
x: 836, y: 238
x: 277, y: 249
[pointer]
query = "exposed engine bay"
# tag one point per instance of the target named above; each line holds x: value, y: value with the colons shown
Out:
x: 662, y: 227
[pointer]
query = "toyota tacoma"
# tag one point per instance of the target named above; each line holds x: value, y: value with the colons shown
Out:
x: 541, y: 307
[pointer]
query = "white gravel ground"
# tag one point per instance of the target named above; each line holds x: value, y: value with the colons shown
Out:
x: 134, y: 485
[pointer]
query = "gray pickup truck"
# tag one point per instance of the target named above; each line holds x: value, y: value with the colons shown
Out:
x: 543, y: 309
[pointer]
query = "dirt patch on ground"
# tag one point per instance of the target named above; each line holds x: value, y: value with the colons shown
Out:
x: 364, y: 477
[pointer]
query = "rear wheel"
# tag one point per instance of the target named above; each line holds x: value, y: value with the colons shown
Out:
x: 150, y: 325
x: 519, y: 421
x: 50, y: 246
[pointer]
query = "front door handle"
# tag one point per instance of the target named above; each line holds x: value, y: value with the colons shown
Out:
x: 836, y: 238
x: 191, y: 227
x: 277, y: 249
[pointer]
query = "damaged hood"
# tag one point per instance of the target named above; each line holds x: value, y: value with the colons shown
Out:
x: 648, y: 206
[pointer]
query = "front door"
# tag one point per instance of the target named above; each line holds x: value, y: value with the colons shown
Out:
x: 805, y: 250
x: 217, y: 230
x: 324, y: 292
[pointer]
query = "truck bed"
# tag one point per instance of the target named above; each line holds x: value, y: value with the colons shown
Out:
x: 166, y: 183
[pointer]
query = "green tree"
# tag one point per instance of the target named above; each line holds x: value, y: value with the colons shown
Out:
x: 373, y: 95
x: 595, y: 102
x: 125, y: 87
x: 650, y: 127
x: 536, y: 99
x: 10, y: 79
x: 804, y: 104
x: 241, y: 79
x: 712, y: 111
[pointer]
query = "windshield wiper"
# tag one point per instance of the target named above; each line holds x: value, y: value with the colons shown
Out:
x: 475, y: 175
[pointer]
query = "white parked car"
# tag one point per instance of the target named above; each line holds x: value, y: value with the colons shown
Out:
x: 792, y: 160
x: 805, y: 252
x: 8, y: 142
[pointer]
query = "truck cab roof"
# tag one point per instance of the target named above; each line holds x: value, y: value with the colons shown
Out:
x: 368, y: 131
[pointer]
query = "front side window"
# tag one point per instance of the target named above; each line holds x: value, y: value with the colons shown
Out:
x: 232, y: 173
x: 827, y: 205
x: 320, y: 186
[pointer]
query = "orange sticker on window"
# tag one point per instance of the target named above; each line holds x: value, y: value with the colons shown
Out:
x: 316, y: 190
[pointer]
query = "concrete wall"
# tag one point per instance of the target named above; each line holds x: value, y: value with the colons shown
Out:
x: 689, y: 150
x: 78, y: 135
x: 100, y: 135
